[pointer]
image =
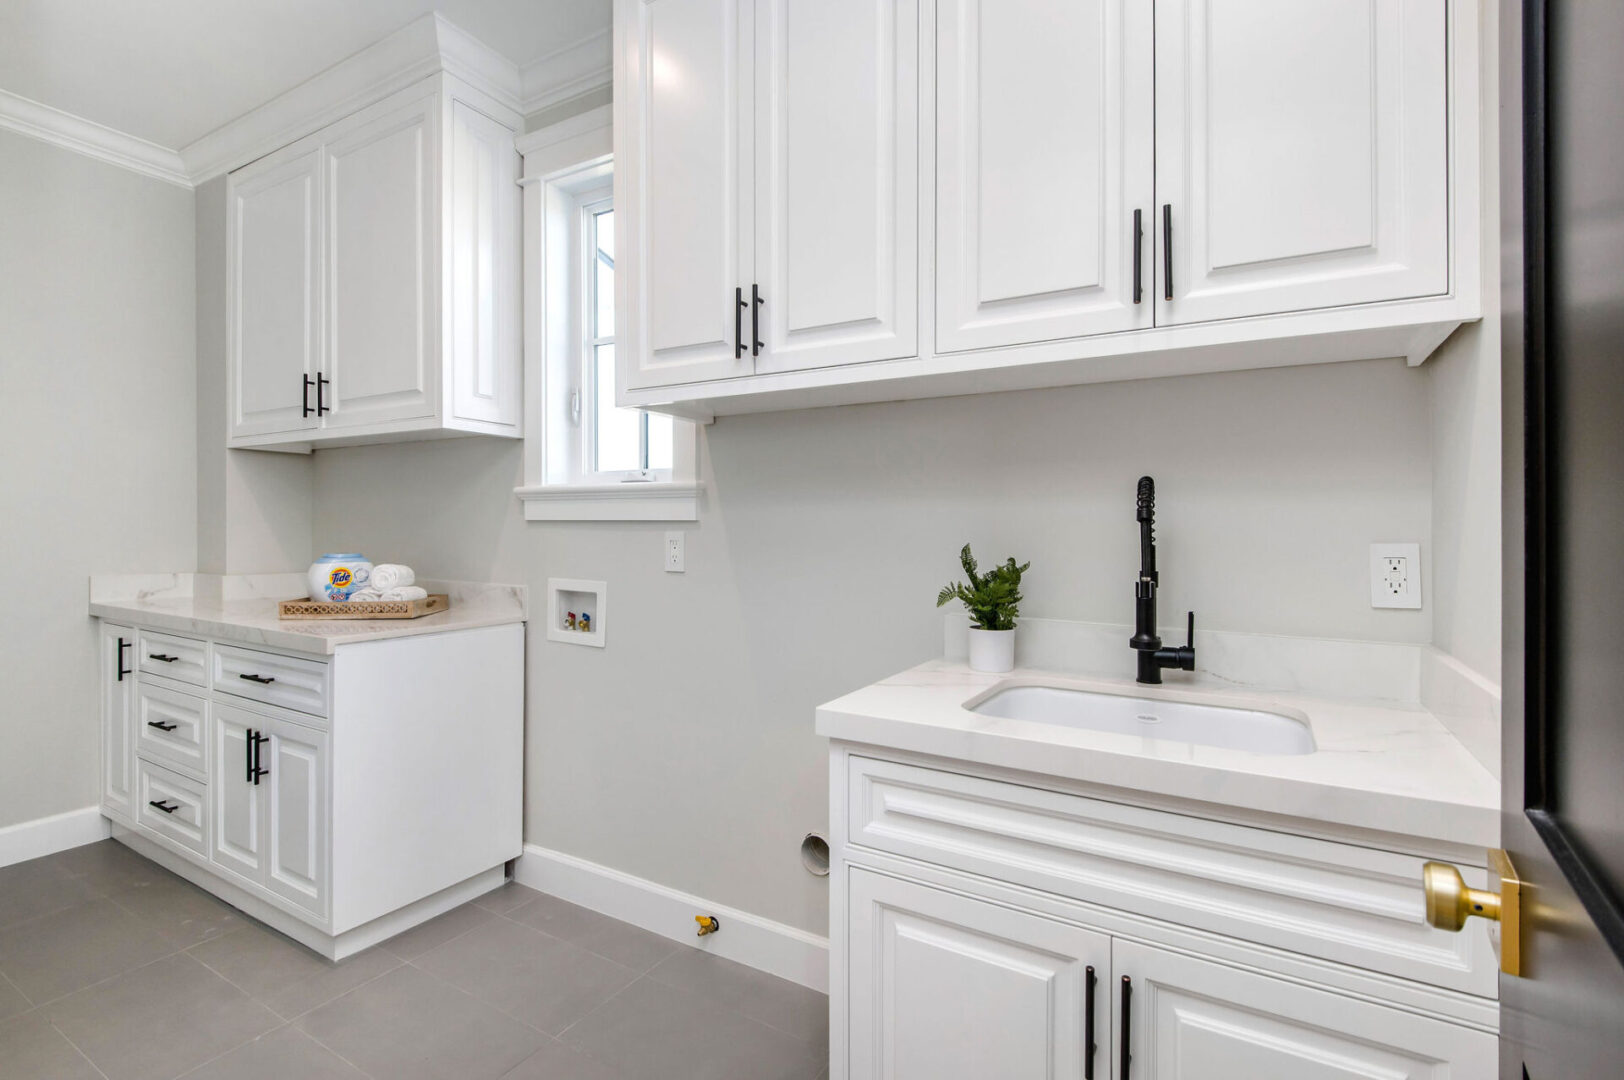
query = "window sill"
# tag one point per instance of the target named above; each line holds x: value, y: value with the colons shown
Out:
x: 664, y: 501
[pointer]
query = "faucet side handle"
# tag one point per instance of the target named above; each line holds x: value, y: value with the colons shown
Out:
x: 1189, y: 633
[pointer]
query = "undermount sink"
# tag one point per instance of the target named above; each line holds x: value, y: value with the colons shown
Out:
x: 1153, y: 718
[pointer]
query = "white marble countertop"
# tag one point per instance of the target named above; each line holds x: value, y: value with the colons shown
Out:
x: 1379, y: 765
x: 243, y: 610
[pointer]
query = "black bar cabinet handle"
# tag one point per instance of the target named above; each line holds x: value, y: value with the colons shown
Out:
x: 159, y: 804
x: 323, y: 381
x: 756, y: 300
x: 1088, y: 999
x: 122, y: 670
x: 1127, y: 1026
x: 263, y: 680
x: 738, y: 322
x: 256, y: 739
x: 1167, y: 251
x: 161, y: 726
x: 161, y: 657
x: 304, y: 401
x: 1138, y: 258
x: 248, y: 746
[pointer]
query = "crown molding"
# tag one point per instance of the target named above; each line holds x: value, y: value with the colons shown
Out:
x: 423, y: 47
x: 566, y: 73
x: 28, y: 117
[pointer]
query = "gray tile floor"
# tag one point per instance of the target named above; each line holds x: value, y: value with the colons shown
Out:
x: 111, y: 967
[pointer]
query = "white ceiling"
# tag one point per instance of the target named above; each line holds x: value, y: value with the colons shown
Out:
x: 171, y: 71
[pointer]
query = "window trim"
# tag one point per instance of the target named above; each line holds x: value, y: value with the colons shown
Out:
x: 564, y: 165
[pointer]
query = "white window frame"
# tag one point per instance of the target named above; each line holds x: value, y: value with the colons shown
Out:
x: 568, y: 169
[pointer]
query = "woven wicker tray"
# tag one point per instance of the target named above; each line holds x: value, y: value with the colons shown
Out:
x: 363, y: 609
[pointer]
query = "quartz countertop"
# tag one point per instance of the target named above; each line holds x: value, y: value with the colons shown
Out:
x: 1380, y: 765
x: 243, y: 610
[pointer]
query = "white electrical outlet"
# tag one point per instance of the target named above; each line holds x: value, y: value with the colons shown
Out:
x: 673, y: 553
x: 1395, y: 575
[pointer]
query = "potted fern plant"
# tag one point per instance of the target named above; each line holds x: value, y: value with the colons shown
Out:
x: 993, y: 600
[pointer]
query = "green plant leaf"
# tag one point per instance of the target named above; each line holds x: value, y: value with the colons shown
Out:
x: 993, y: 599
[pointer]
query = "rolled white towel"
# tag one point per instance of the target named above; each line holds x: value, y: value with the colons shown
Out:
x: 363, y: 595
x: 386, y: 576
x: 404, y: 592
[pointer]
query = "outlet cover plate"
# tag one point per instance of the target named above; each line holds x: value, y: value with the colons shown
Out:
x: 672, y: 558
x: 1395, y: 576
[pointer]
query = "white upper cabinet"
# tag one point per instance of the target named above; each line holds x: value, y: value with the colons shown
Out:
x: 1302, y: 155
x: 683, y: 188
x: 1044, y: 170
x: 842, y: 201
x: 374, y: 276
x: 836, y: 182
x: 766, y: 186
x: 379, y: 233
x: 274, y: 292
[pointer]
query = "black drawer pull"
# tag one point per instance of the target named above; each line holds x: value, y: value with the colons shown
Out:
x: 255, y: 741
x: 161, y: 726
x: 162, y: 658
x: 261, y: 679
x: 1127, y: 1026
x: 1089, y: 1045
x: 159, y: 804
x: 122, y: 670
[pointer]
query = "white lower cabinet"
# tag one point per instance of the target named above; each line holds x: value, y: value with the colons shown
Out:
x: 270, y: 804
x: 1191, y: 1019
x: 293, y: 786
x: 946, y: 986
x: 946, y: 967
x: 117, y: 717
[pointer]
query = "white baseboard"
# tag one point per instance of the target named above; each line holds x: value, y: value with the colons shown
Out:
x: 773, y: 947
x: 48, y: 835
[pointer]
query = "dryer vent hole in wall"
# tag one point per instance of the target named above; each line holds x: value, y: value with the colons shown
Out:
x: 815, y: 855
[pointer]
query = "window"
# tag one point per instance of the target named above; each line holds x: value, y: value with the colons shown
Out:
x: 586, y: 458
x: 624, y: 444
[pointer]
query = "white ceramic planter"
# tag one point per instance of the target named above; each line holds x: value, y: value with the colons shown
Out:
x: 992, y: 650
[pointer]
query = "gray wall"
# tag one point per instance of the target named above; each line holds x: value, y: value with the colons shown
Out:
x: 97, y: 374
x: 684, y: 752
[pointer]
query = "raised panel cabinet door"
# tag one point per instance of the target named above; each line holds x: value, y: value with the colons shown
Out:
x: 948, y: 988
x: 238, y: 840
x: 683, y: 189
x: 118, y: 718
x: 382, y: 354
x: 837, y: 183
x: 273, y: 287
x: 1044, y: 156
x: 482, y: 315
x: 296, y: 813
x: 1192, y: 1019
x: 1301, y: 155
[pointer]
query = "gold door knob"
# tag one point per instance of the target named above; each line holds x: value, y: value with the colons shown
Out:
x: 1450, y: 902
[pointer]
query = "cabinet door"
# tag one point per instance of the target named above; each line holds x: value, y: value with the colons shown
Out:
x: 117, y: 719
x: 1044, y: 153
x: 683, y: 188
x: 837, y: 182
x: 238, y: 836
x: 381, y: 354
x: 482, y: 316
x: 1302, y: 153
x: 273, y: 287
x: 1192, y: 1019
x: 949, y: 988
x: 296, y: 818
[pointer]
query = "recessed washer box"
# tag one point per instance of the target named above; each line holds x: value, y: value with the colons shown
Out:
x: 567, y: 596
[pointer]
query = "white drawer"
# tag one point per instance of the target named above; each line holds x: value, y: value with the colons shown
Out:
x: 179, y: 658
x: 172, y: 808
x: 287, y: 681
x: 172, y: 727
x: 1341, y: 902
